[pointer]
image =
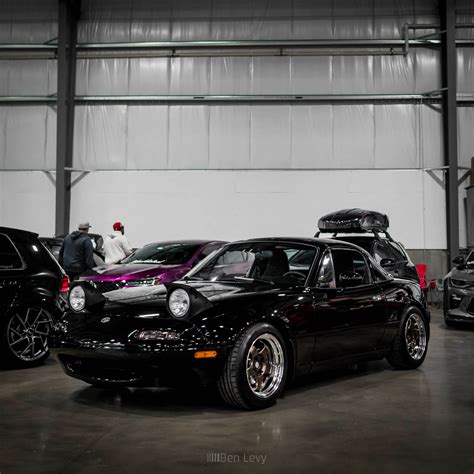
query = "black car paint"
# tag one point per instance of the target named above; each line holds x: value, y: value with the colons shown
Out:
x: 36, y: 283
x: 319, y: 325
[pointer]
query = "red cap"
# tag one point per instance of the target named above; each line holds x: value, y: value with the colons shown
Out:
x: 118, y: 226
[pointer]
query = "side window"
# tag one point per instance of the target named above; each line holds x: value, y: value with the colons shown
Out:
x: 9, y: 257
x: 206, y: 252
x: 325, y: 277
x: 350, y: 268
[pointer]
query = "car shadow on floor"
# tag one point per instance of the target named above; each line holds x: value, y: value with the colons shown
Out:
x: 195, y: 400
x: 469, y: 327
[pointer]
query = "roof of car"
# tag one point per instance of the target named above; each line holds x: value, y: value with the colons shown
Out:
x: 10, y: 231
x: 302, y: 240
x: 186, y: 242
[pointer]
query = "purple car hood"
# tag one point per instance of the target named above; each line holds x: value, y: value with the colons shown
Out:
x: 131, y: 272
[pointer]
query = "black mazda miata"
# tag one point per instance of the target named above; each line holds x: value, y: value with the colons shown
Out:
x: 250, y: 317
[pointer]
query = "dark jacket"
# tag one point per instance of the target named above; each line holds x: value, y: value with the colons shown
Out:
x: 77, y: 253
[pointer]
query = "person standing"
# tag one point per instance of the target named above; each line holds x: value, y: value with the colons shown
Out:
x: 77, y: 252
x: 116, y: 245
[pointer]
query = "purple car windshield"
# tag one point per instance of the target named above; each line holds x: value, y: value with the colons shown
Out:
x: 163, y: 254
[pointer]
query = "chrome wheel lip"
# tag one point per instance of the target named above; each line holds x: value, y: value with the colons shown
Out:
x: 27, y: 334
x: 265, y: 365
x: 415, y: 336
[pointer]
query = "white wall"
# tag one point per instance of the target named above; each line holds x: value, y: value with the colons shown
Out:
x: 242, y: 204
x: 27, y: 201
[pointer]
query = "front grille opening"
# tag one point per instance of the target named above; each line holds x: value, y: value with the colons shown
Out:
x: 105, y: 370
x: 105, y: 286
x: 454, y: 301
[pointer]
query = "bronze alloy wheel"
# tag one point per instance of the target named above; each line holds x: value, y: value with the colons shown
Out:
x: 415, y: 336
x: 265, y: 365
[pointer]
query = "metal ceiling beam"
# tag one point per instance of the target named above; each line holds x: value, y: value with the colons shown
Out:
x: 68, y: 14
x: 449, y: 78
x: 229, y: 48
x: 425, y: 98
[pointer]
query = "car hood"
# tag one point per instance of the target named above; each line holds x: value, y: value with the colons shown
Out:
x: 212, y: 291
x: 466, y: 274
x: 128, y: 272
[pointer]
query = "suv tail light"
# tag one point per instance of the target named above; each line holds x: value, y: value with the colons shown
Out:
x: 64, y: 285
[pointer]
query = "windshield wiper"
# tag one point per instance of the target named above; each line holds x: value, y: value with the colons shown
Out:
x: 193, y: 278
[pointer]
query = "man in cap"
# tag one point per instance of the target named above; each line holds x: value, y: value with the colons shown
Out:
x: 116, y: 245
x: 77, y: 252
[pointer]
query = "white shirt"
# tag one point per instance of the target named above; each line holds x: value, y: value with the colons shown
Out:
x: 116, y: 247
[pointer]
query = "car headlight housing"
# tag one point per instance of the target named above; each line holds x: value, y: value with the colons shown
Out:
x: 459, y: 283
x: 179, y: 303
x: 144, y: 282
x: 77, y: 298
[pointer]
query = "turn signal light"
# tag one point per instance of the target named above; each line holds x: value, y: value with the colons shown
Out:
x: 64, y: 285
x: 205, y: 354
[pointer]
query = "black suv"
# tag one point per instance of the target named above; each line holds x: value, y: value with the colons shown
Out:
x: 368, y: 229
x: 31, y: 282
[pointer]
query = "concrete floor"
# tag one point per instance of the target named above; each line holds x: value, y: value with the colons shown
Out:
x: 377, y: 420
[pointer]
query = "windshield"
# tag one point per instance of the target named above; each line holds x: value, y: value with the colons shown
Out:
x: 163, y: 254
x: 470, y: 260
x: 269, y: 262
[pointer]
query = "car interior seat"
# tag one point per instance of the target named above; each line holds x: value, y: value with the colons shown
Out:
x: 277, y: 265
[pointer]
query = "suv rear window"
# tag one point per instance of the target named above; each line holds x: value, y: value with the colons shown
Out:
x: 9, y: 257
x: 386, y: 249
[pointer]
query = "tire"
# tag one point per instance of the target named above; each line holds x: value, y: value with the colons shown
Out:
x: 413, y: 328
x: 258, y: 389
x: 24, y: 337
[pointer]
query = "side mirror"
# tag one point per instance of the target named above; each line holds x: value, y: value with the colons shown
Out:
x: 350, y: 279
x: 387, y: 263
x: 459, y: 261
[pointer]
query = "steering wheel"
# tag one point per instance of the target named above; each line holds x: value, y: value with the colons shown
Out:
x: 294, y: 274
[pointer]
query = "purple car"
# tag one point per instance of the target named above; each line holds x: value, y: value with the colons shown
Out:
x: 153, y: 264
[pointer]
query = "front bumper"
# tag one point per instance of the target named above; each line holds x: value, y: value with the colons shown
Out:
x: 459, y: 304
x: 108, y: 353
x: 121, y: 367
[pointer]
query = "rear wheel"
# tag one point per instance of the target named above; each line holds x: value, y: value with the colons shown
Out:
x: 255, y: 372
x: 411, y: 343
x: 25, y: 337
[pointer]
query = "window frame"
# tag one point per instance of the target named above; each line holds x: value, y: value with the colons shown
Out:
x: 314, y: 283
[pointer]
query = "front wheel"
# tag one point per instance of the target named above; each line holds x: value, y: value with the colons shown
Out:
x: 25, y: 337
x: 255, y: 372
x: 411, y: 343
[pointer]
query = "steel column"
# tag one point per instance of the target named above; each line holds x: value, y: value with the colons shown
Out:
x: 68, y: 14
x: 449, y: 75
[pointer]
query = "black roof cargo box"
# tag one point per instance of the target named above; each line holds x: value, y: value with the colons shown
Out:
x: 354, y: 220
